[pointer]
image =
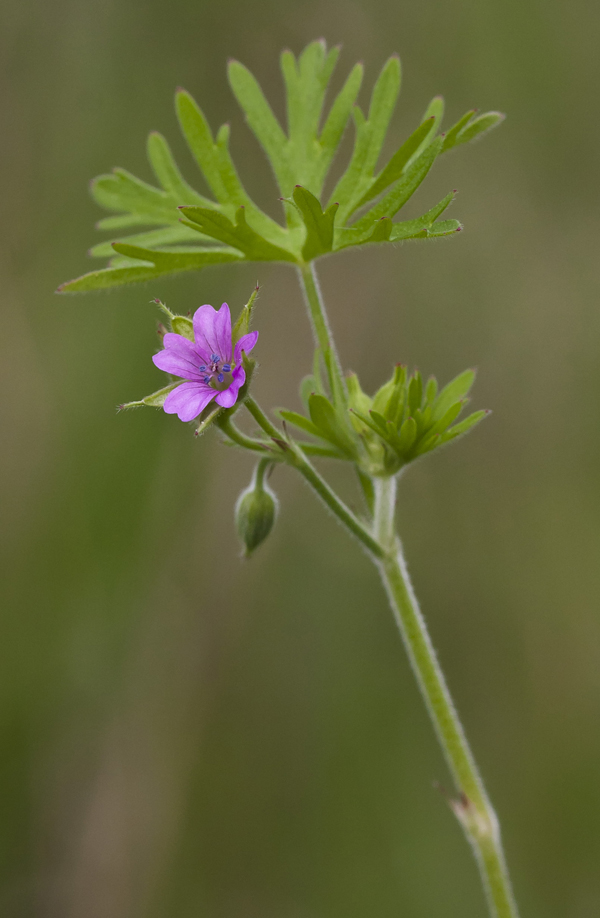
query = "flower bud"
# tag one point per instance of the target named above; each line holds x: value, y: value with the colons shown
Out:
x: 255, y: 511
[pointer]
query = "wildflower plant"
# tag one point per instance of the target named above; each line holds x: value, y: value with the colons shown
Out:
x: 170, y: 227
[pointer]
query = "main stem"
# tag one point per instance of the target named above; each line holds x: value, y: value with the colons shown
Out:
x: 320, y: 324
x: 473, y: 809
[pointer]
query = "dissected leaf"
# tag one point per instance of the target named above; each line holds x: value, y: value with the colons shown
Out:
x: 152, y: 264
x: 319, y: 224
x: 456, y: 390
x: 239, y: 235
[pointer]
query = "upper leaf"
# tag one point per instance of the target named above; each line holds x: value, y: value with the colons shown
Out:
x: 176, y: 228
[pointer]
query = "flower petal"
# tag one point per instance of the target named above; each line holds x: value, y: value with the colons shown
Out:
x: 188, y: 400
x: 228, y: 397
x: 246, y: 343
x: 206, y: 331
x: 177, y: 363
x: 223, y: 333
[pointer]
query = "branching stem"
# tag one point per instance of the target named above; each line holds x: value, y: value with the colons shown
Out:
x: 472, y: 807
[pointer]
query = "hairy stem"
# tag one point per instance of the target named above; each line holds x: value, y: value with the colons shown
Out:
x: 473, y: 809
x: 320, y: 325
x: 297, y: 458
x: 241, y: 439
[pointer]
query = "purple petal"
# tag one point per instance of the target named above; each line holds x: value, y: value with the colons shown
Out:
x: 228, y: 397
x: 246, y: 343
x: 223, y: 333
x: 178, y: 364
x: 188, y: 400
x: 206, y: 331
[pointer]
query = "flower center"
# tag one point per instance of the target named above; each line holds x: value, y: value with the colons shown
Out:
x: 217, y: 373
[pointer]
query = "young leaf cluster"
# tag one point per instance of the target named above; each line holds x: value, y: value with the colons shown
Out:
x: 168, y: 227
x: 404, y: 420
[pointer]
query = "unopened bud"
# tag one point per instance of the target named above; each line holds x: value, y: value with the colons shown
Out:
x: 255, y: 511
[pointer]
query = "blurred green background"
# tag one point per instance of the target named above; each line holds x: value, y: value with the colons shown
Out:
x: 184, y: 734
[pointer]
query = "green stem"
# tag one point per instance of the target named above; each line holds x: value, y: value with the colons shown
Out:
x: 320, y: 325
x: 473, y: 809
x: 241, y: 439
x: 297, y: 458
x: 259, y: 473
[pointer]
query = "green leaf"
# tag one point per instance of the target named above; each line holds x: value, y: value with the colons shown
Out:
x: 431, y: 389
x: 397, y: 163
x: 443, y: 228
x: 215, y: 162
x: 456, y: 390
x: 408, y: 433
x: 403, y: 190
x: 319, y: 224
x: 153, y: 264
x: 451, y: 134
x: 380, y: 421
x: 168, y: 174
x: 145, y: 204
x: 480, y: 126
x: 465, y: 426
x: 208, y: 155
x: 384, y: 230
x: 415, y: 392
x: 299, y: 421
x: 448, y: 418
x: 168, y: 235
x: 239, y: 235
x: 368, y: 422
x: 308, y: 385
x: 370, y: 134
x: 337, y: 119
x: 262, y: 122
x: 310, y: 154
x: 324, y: 417
x: 381, y: 109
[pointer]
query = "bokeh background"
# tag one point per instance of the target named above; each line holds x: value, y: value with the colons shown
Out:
x: 184, y: 734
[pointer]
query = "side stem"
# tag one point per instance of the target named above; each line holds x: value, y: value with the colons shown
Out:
x: 473, y: 809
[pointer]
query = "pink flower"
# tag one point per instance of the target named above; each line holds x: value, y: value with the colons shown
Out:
x: 210, y: 366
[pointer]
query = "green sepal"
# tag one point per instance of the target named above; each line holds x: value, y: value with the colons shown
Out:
x: 155, y: 400
x: 208, y: 417
x: 242, y: 325
x: 318, y: 223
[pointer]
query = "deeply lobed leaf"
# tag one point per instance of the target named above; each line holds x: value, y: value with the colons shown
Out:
x: 177, y: 228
